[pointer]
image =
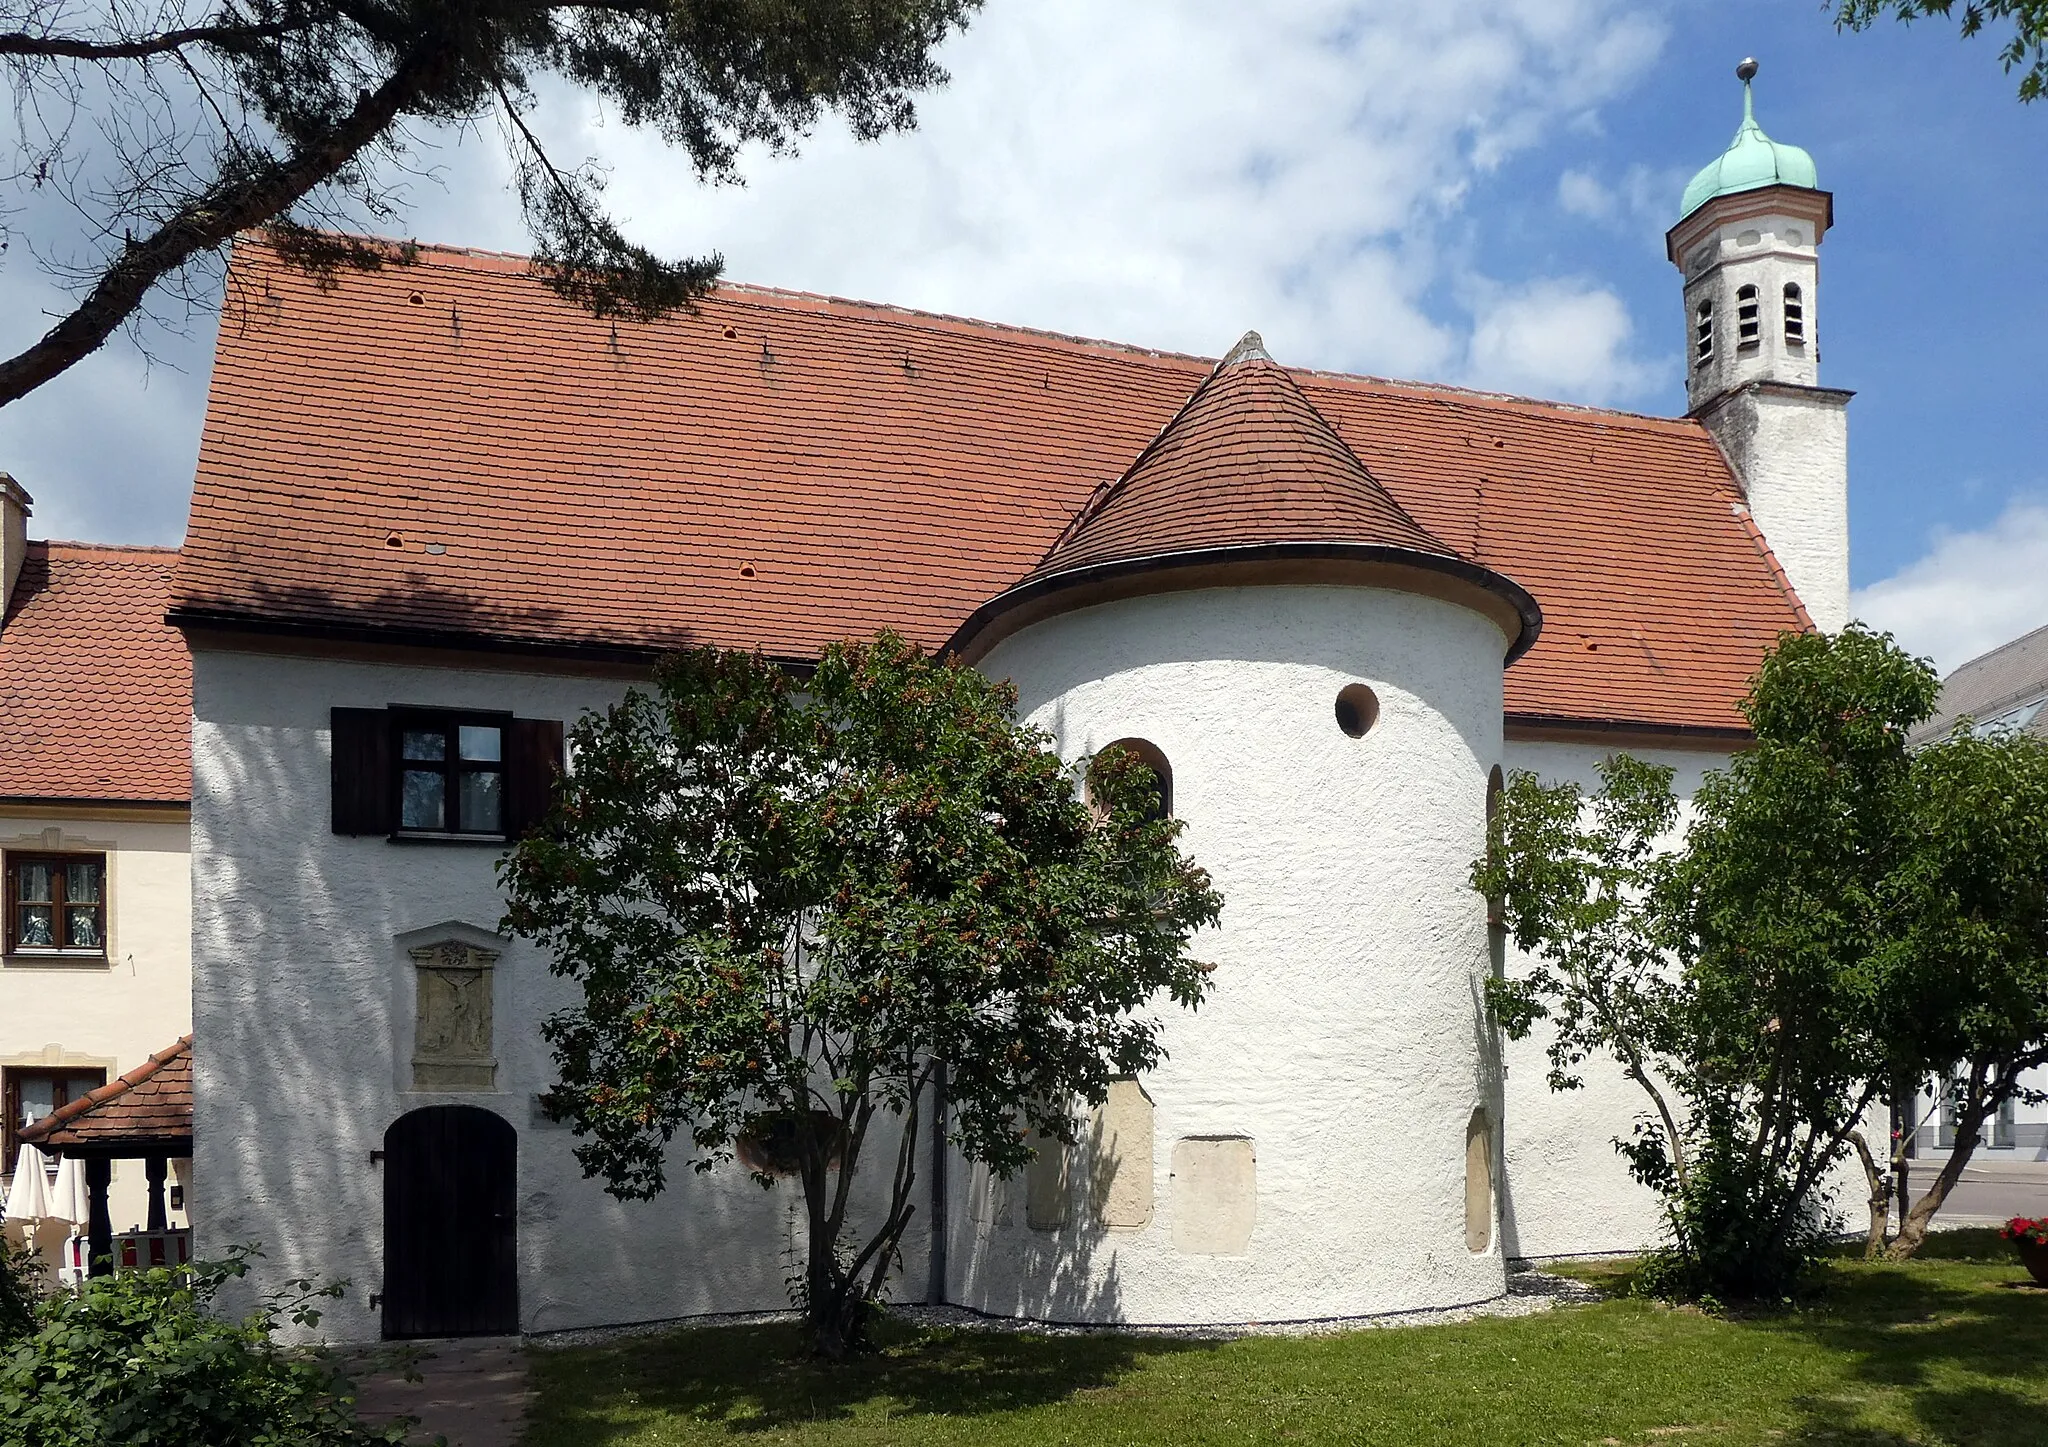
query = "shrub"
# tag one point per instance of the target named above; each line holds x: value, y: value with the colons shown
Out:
x: 18, y: 1293
x: 141, y: 1360
x: 1740, y: 1228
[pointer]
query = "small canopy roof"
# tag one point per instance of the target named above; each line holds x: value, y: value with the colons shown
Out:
x: 1248, y: 474
x: 148, y: 1111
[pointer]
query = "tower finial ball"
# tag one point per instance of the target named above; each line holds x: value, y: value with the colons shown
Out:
x: 1746, y: 72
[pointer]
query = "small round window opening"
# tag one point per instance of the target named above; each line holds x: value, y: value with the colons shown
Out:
x: 1358, y: 709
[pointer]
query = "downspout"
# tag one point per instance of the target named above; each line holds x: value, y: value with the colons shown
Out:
x: 935, y: 1289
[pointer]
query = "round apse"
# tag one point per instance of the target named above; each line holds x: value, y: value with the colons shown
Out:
x: 1358, y: 709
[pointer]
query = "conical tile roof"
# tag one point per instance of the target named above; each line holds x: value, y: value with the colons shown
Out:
x: 1247, y: 461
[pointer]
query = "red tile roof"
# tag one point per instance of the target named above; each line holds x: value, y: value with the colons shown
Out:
x: 1247, y: 460
x: 152, y: 1102
x: 95, y: 689
x: 447, y: 449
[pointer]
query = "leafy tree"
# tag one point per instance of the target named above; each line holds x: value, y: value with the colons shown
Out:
x: 2026, y: 51
x: 1743, y: 965
x: 788, y: 906
x: 175, y: 125
x: 1577, y: 884
x: 1781, y: 889
x: 141, y: 1358
x: 1963, y: 976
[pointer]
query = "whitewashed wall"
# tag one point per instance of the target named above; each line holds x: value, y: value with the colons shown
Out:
x: 304, y: 1000
x: 1568, y: 1191
x: 1345, y: 1036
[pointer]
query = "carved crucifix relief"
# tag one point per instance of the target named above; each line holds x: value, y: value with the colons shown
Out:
x: 452, y: 1048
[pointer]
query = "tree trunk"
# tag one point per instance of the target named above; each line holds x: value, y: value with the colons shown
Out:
x: 1969, y: 1125
x: 1880, y: 1197
x: 836, y: 1308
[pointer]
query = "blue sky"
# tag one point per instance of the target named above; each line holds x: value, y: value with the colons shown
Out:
x: 1472, y: 191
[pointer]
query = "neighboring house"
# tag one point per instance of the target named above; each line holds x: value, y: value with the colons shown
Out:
x: 2005, y: 689
x: 95, y: 789
x: 440, y: 513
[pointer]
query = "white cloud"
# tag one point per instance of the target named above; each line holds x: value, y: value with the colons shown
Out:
x: 1581, y: 194
x: 1558, y: 337
x: 1172, y: 173
x: 1642, y: 200
x: 1971, y: 592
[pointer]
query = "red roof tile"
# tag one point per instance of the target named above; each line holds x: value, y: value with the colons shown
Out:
x: 95, y: 689
x: 152, y: 1102
x: 778, y: 471
x: 1247, y: 460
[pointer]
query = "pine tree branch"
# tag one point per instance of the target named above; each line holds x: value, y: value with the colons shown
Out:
x: 71, y: 47
x: 212, y: 218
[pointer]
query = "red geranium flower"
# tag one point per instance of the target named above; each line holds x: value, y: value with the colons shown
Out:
x: 2025, y: 1228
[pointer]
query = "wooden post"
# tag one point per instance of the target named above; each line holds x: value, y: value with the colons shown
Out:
x: 99, y: 1174
x: 153, y: 1168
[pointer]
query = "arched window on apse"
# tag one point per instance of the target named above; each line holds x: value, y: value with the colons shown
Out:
x: 1152, y: 758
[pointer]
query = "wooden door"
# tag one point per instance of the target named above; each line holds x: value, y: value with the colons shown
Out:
x: 451, y: 1264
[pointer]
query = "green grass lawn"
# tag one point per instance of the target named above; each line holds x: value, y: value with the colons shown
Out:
x: 1942, y: 1351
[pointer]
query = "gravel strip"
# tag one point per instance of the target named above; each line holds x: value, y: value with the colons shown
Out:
x: 1528, y: 1292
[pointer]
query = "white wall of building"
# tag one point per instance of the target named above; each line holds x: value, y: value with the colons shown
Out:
x: 1568, y: 1190
x: 1345, y: 1036
x: 113, y: 1015
x: 305, y: 1006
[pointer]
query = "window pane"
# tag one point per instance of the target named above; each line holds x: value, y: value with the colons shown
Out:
x: 35, y: 883
x: 426, y: 744
x: 38, y: 1099
x: 479, y: 743
x: 424, y: 801
x: 82, y: 881
x: 83, y: 925
x: 482, y: 802
x: 33, y: 927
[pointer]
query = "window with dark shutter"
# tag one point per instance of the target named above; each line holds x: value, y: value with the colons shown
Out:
x: 431, y: 773
x: 533, y: 761
x: 363, y: 800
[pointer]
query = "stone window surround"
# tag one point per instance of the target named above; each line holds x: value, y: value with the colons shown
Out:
x: 58, y: 840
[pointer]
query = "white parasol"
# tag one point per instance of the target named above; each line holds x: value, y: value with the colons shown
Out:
x: 69, y: 1200
x: 29, y: 1198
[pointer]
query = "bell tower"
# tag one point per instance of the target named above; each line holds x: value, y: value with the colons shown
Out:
x: 1748, y: 245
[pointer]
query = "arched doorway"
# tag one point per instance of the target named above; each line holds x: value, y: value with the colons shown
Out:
x: 451, y: 1265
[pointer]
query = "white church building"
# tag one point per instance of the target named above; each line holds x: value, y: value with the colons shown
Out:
x: 440, y: 513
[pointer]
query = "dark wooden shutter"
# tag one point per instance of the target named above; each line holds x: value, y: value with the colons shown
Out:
x: 8, y: 895
x: 533, y: 760
x: 365, y: 794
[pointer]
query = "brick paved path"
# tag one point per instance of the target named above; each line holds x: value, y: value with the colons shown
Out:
x: 474, y: 1393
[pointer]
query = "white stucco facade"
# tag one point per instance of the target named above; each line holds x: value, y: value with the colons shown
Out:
x: 1344, y: 1039
x: 1789, y: 447
x: 304, y: 1001
x: 110, y: 1014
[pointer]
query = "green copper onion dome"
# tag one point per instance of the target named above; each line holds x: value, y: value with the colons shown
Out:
x: 1752, y: 159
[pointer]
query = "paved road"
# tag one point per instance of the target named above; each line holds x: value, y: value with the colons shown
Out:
x: 1994, y: 1188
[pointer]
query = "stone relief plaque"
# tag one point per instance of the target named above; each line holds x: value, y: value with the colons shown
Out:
x: 452, y: 1044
